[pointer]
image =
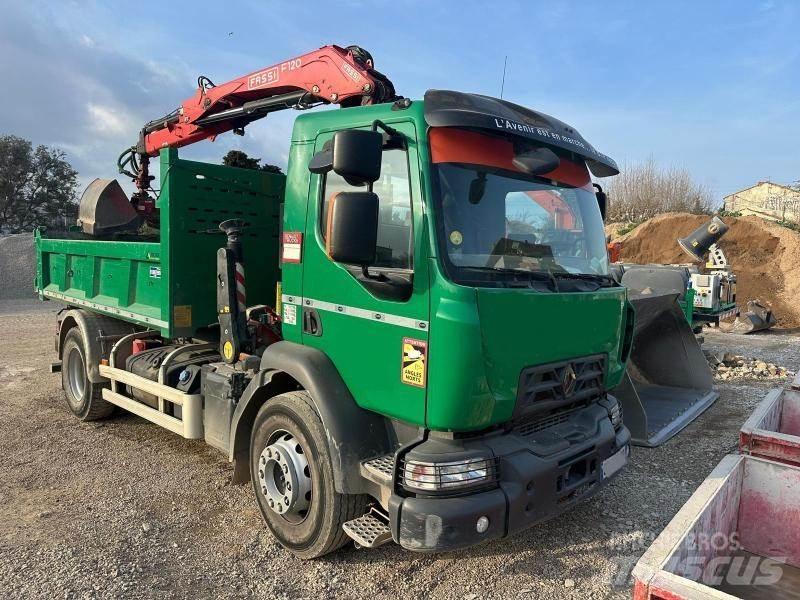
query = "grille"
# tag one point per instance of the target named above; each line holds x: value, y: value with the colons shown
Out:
x: 542, y: 424
x: 556, y: 386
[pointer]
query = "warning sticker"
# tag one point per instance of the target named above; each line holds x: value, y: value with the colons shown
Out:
x: 292, y: 247
x: 290, y: 314
x: 415, y: 354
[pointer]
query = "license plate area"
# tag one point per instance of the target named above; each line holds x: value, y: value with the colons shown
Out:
x: 615, y: 462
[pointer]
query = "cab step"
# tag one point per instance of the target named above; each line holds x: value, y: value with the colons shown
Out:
x: 379, y: 469
x: 368, y: 531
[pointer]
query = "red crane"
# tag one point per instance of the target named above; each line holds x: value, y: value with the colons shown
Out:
x: 329, y: 75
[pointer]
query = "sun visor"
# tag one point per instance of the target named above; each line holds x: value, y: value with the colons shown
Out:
x: 444, y: 108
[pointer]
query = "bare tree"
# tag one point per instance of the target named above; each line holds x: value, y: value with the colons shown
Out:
x: 642, y: 191
x: 37, y: 186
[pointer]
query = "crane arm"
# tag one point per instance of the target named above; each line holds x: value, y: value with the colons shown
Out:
x: 329, y: 75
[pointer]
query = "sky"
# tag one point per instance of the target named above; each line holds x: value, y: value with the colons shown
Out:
x: 713, y: 87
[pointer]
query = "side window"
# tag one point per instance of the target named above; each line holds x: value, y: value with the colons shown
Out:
x: 395, y: 241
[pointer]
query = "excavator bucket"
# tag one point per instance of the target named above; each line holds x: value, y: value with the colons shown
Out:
x: 757, y: 318
x: 668, y: 382
x: 105, y: 209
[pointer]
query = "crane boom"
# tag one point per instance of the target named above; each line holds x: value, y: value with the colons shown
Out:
x: 329, y: 75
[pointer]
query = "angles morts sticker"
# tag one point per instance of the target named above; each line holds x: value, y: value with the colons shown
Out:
x: 413, y: 367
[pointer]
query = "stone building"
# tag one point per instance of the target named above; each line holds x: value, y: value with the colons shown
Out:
x: 768, y: 200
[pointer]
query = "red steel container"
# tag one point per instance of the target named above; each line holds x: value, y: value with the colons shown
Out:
x: 773, y: 430
x: 738, y: 536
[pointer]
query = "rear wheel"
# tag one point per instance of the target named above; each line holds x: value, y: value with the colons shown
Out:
x: 85, y: 399
x: 292, y: 476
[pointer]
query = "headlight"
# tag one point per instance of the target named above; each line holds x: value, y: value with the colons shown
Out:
x: 444, y: 476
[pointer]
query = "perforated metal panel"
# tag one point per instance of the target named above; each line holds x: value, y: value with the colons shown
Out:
x: 195, y: 198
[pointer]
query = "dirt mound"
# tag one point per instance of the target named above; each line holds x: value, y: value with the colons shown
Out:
x: 17, y: 266
x: 765, y: 257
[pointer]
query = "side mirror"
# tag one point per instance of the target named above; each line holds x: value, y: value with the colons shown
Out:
x: 602, y: 200
x: 352, y: 228
x: 355, y: 154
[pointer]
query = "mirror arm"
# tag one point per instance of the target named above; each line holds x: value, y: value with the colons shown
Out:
x: 390, y: 135
x: 602, y: 200
x: 377, y: 123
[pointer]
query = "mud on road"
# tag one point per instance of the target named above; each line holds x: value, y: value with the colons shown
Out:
x: 122, y: 508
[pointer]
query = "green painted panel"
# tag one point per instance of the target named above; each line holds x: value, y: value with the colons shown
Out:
x: 368, y: 352
x: 485, y: 337
x: 294, y: 218
x: 195, y: 198
x: 107, y: 276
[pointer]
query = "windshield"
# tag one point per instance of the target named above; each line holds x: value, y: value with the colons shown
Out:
x: 504, y: 222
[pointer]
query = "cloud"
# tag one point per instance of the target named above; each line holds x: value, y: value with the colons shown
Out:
x: 106, y: 121
x: 70, y: 91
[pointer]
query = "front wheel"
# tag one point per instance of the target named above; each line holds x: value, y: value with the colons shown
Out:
x: 292, y: 476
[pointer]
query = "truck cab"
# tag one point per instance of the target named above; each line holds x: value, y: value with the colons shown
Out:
x: 448, y: 331
x: 488, y: 322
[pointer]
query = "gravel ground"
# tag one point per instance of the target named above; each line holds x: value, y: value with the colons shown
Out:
x: 121, y: 508
x: 17, y: 266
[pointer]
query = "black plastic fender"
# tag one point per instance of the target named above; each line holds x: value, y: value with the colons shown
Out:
x: 354, y: 434
x: 92, y: 326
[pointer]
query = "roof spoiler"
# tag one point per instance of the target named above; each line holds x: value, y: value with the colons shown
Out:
x: 445, y: 108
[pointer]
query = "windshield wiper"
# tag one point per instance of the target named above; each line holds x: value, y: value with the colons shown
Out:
x: 524, y: 273
x: 601, y: 280
x: 587, y: 276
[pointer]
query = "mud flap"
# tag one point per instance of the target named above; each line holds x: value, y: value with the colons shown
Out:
x: 668, y: 383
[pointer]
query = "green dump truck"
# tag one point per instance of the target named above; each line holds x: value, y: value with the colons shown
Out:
x: 409, y: 336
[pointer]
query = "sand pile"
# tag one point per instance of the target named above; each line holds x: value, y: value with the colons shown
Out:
x: 765, y: 257
x: 17, y: 266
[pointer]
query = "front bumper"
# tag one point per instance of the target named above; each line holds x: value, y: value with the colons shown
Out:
x: 541, y: 475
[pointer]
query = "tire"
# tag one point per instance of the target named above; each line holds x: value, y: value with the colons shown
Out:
x: 286, y: 421
x: 84, y: 398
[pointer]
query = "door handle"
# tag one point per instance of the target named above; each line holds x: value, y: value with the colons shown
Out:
x: 312, y: 324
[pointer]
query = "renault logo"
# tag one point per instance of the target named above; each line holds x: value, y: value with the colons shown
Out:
x: 568, y: 380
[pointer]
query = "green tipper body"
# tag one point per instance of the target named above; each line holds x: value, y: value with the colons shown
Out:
x: 474, y: 341
x: 170, y: 284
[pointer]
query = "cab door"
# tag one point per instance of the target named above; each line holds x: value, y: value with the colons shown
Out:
x: 376, y: 336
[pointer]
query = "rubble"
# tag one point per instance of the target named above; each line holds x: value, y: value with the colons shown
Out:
x: 727, y: 366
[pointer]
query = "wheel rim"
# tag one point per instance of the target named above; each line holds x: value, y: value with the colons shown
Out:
x: 76, y: 373
x: 284, y: 477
